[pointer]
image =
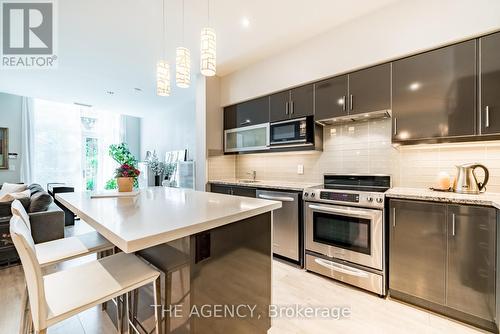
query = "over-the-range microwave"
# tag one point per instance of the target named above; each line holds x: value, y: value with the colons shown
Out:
x: 291, y: 133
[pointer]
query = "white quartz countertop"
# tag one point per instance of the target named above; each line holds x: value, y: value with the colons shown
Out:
x: 159, y: 214
x: 486, y: 198
x: 283, y: 185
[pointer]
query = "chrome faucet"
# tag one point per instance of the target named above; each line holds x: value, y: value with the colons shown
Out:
x: 253, y: 174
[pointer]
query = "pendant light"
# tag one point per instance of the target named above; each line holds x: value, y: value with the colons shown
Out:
x: 208, y: 48
x: 182, y: 61
x: 162, y: 66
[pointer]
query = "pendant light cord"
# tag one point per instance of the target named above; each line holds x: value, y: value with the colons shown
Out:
x: 208, y: 12
x: 163, y: 30
x: 182, y: 21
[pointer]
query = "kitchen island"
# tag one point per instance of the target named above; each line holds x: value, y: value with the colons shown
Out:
x: 226, y: 239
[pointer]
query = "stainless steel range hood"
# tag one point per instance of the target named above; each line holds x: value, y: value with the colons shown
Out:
x: 355, y: 118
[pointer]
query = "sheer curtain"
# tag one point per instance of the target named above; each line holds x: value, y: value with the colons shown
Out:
x: 110, y: 131
x: 57, y: 144
x: 27, y: 140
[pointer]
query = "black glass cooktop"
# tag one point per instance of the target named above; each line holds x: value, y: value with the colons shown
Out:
x: 372, y: 183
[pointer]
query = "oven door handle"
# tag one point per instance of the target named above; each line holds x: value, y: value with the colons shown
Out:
x: 340, y: 268
x: 347, y: 212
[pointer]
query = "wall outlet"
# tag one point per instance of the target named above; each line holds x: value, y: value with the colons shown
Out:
x: 300, y: 169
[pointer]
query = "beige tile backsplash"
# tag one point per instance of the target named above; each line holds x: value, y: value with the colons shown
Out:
x: 363, y: 147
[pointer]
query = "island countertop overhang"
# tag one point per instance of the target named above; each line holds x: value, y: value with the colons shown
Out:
x: 159, y: 215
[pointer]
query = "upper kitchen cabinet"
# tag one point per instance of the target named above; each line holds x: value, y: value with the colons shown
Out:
x: 295, y: 103
x: 248, y: 113
x: 330, y: 98
x: 489, y: 47
x: 370, y: 89
x: 434, y: 94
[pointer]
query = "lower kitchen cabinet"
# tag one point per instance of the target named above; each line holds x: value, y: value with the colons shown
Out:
x: 471, y: 260
x: 417, y: 254
x: 443, y: 257
x: 233, y: 190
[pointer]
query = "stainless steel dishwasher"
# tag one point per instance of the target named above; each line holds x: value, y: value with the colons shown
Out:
x: 285, y: 223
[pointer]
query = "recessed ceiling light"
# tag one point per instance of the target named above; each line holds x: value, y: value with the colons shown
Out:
x: 109, y: 92
x: 415, y: 86
x: 245, y: 22
x: 138, y: 89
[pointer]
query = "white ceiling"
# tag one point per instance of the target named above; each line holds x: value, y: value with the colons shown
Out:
x: 113, y: 45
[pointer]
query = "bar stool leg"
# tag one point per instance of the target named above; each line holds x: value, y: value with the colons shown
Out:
x: 119, y: 315
x: 158, y: 307
x: 168, y: 299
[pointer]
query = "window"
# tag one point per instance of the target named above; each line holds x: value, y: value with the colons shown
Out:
x: 71, y: 145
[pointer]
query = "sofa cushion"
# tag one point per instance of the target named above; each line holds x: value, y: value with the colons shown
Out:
x: 35, y: 188
x: 8, y: 188
x: 40, y: 201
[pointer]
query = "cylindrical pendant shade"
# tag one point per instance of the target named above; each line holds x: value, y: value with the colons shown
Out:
x: 182, y: 67
x: 208, y: 52
x: 162, y: 78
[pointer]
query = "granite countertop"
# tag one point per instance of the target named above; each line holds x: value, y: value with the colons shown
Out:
x: 485, y: 199
x: 159, y: 214
x: 283, y: 185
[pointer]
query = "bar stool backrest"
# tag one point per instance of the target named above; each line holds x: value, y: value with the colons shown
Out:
x: 25, y: 246
x: 18, y: 209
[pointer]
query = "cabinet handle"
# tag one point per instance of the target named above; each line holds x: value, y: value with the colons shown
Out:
x: 351, y: 99
x: 393, y: 217
x: 343, y: 103
x: 395, y: 125
x: 291, y: 107
x: 246, y: 122
x: 453, y: 224
x: 286, y: 108
x: 487, y: 116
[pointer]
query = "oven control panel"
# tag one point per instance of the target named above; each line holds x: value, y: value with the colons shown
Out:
x: 363, y: 199
x: 344, y: 197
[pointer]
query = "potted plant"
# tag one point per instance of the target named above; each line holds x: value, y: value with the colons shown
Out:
x: 125, y: 177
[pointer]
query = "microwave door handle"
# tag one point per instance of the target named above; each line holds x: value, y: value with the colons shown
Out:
x: 356, y: 213
x: 340, y: 268
x: 277, y: 198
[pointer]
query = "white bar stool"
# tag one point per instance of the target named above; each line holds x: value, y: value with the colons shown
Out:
x: 57, y: 251
x: 58, y: 296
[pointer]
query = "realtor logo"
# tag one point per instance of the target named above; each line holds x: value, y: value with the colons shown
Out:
x: 28, y: 32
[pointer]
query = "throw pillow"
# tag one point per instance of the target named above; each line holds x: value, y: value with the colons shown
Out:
x: 8, y: 188
x: 40, y: 202
x: 12, y: 196
x: 35, y: 188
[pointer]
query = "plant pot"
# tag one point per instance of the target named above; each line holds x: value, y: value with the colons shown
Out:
x: 157, y: 180
x: 125, y: 184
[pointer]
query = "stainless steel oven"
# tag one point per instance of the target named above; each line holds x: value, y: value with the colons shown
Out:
x: 351, y: 234
x: 344, y: 229
x: 296, y: 132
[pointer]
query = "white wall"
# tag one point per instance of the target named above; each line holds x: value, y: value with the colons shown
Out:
x: 172, y: 130
x: 401, y: 29
x: 133, y: 134
x: 10, y: 117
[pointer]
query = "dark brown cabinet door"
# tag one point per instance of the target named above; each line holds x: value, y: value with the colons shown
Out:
x: 471, y: 260
x: 220, y: 189
x: 370, y: 89
x: 330, y: 98
x: 434, y: 93
x: 302, y: 101
x: 253, y: 112
x: 230, y: 117
x: 279, y: 106
x: 490, y: 83
x: 417, y: 258
x: 244, y: 191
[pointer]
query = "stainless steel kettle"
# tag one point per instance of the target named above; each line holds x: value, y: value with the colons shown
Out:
x: 466, y: 181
